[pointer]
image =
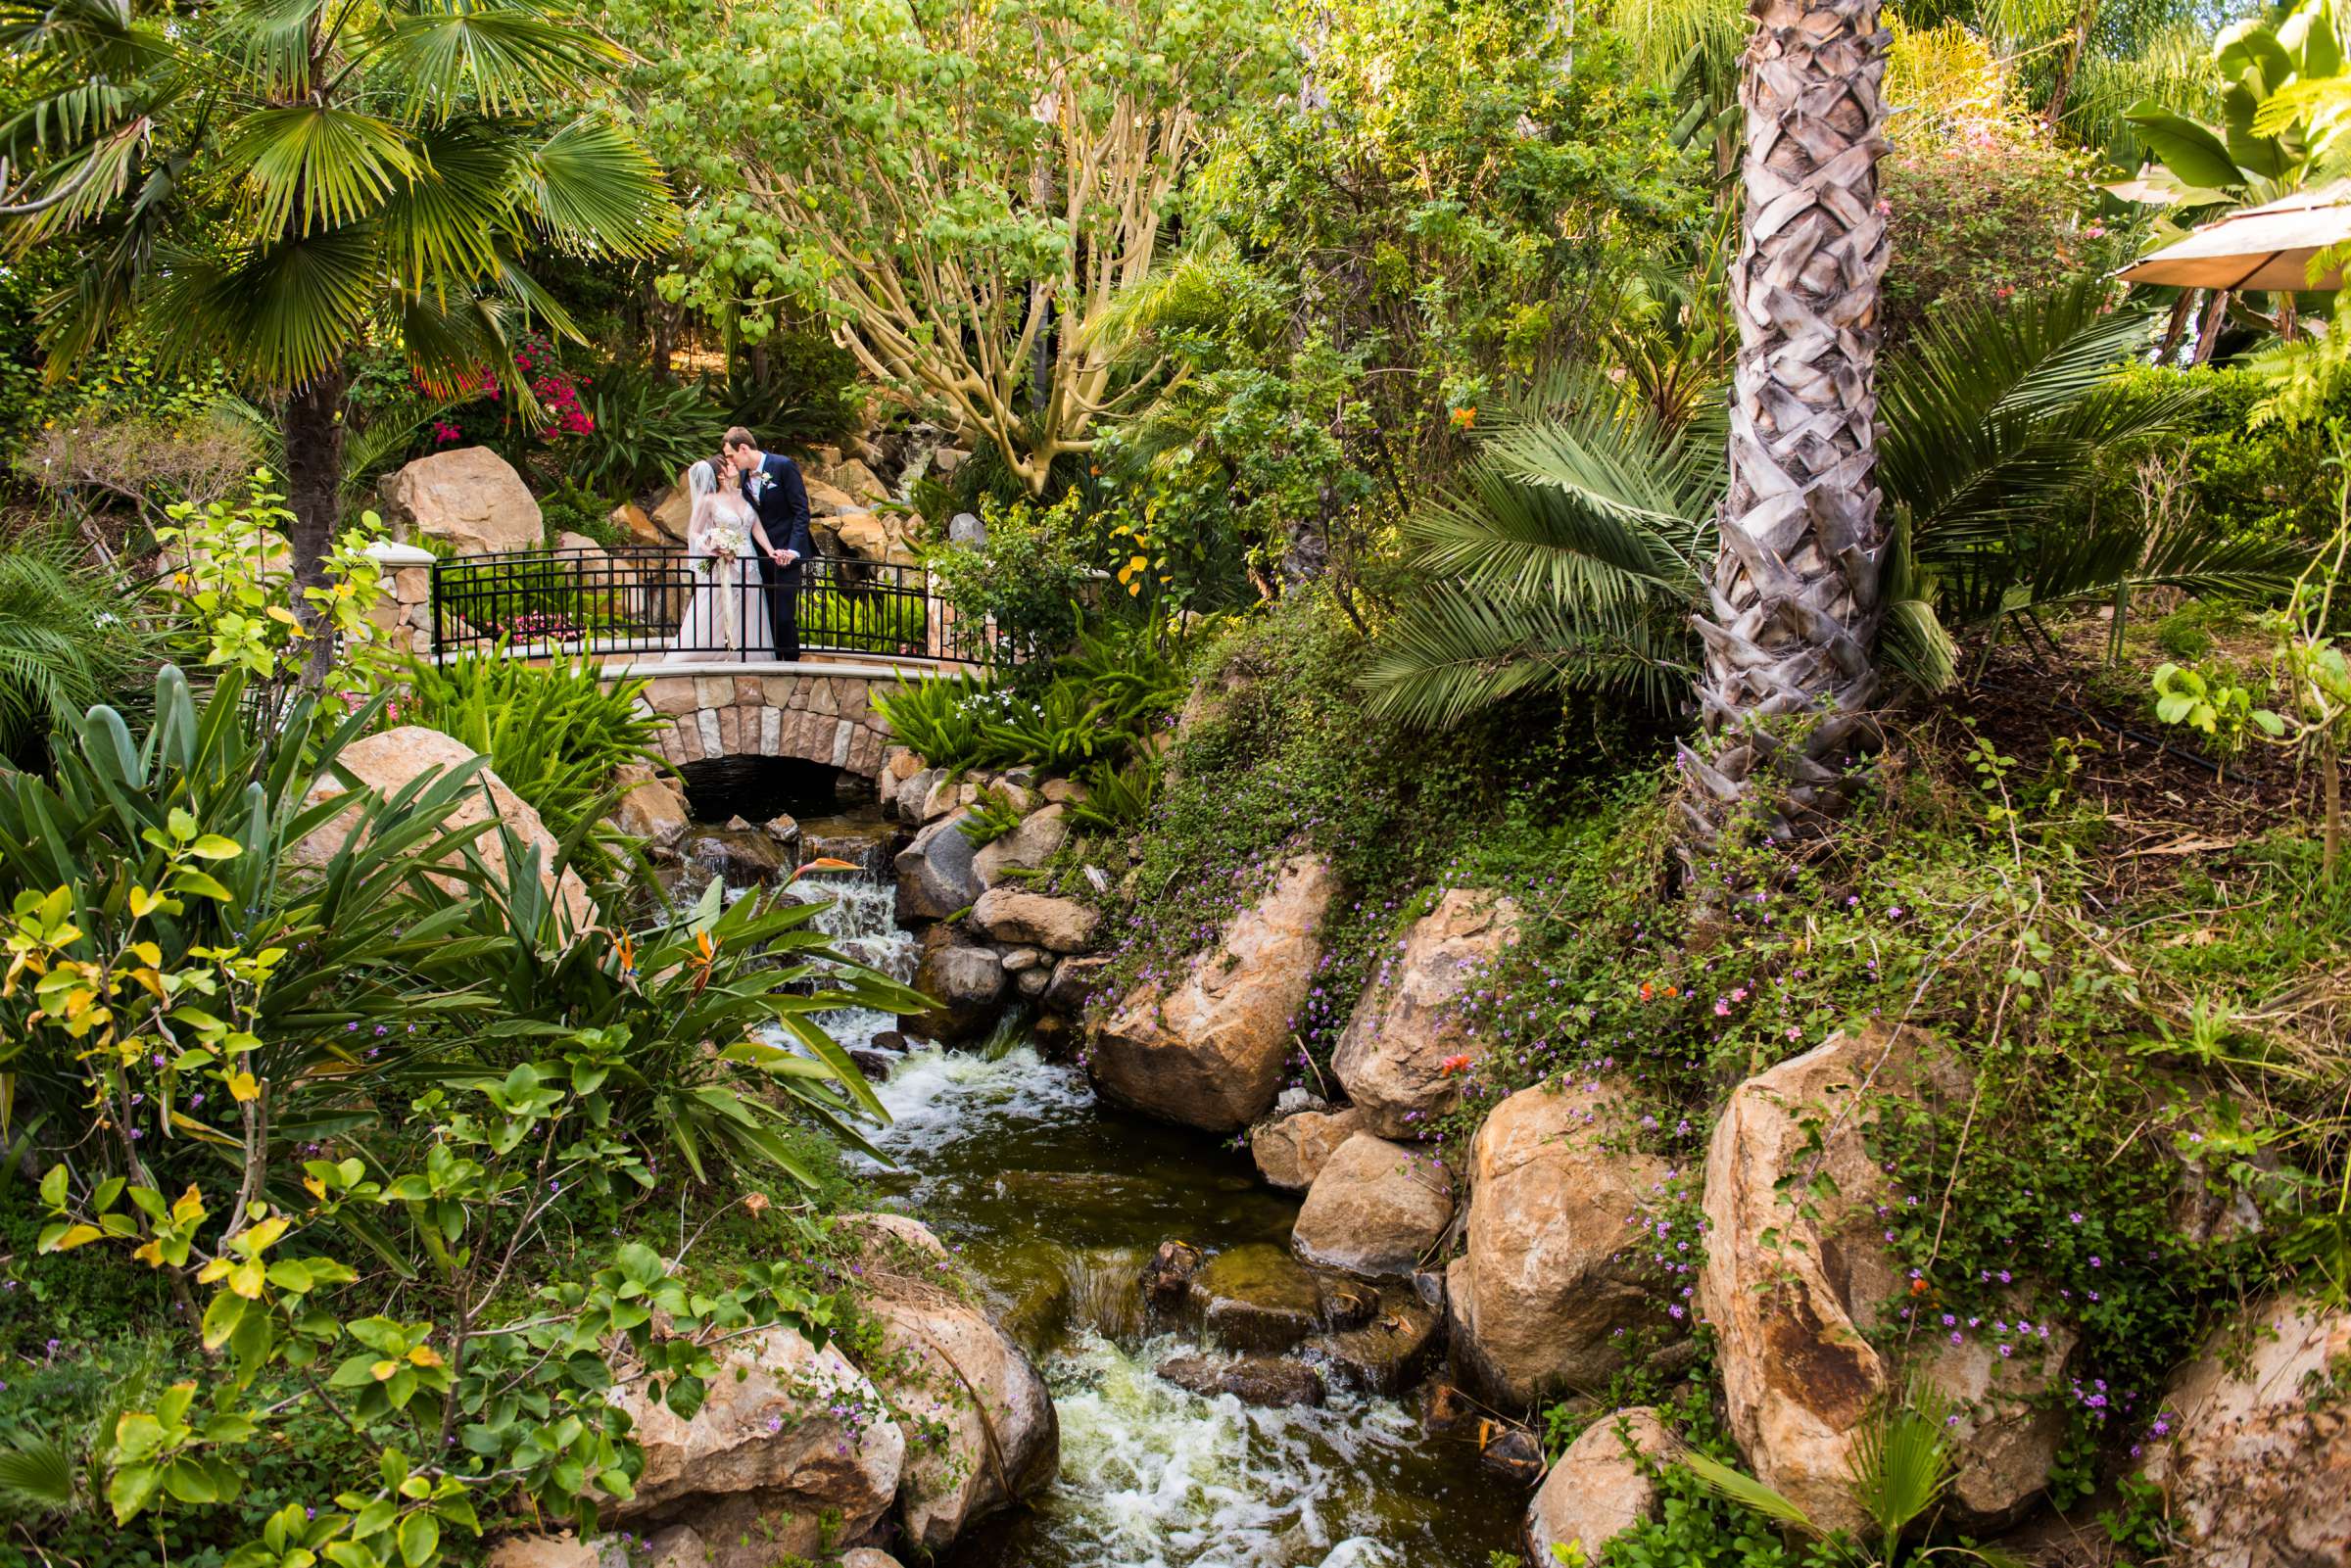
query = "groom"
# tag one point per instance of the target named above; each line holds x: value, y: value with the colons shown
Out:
x: 771, y: 484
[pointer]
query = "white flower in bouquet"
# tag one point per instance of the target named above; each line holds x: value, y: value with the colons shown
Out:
x: 724, y: 543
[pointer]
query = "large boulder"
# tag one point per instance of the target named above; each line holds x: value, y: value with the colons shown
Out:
x: 1375, y: 1209
x: 1291, y: 1152
x: 993, y: 1436
x: 1402, y: 1054
x: 654, y: 809
x: 391, y: 759
x: 935, y: 879
x: 1035, y: 920
x: 1209, y: 1051
x: 966, y: 979
x: 1602, y: 1484
x: 1025, y: 848
x: 1792, y: 1291
x: 2257, y: 1465
x: 1540, y: 1301
x: 470, y: 498
x: 791, y: 1446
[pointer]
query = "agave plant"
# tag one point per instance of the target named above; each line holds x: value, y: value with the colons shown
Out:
x: 1571, y: 556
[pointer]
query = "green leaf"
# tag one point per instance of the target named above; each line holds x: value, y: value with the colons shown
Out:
x: 419, y: 1539
x: 316, y: 167
x: 2187, y: 147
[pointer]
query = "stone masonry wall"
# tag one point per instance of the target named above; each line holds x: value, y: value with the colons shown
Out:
x: 825, y: 719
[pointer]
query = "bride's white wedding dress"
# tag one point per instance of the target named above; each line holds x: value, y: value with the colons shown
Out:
x: 726, y: 610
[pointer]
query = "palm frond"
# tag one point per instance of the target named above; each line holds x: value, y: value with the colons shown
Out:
x: 37, y: 1476
x: 283, y: 310
x: 495, y: 55
x: 1746, y: 1492
x: 316, y: 167
x: 1902, y: 1461
x: 68, y: 639
x: 594, y: 187
x: 1522, y: 539
x: 1450, y: 653
x: 441, y: 227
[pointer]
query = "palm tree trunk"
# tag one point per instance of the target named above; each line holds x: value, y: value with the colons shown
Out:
x: 314, y: 492
x: 1789, y: 678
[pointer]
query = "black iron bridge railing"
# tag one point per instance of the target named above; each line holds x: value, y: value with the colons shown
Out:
x: 647, y: 603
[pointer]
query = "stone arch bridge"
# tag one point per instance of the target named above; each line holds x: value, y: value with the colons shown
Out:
x: 814, y: 711
x: 818, y: 709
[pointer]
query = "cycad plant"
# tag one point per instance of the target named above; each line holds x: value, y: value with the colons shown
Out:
x: 273, y: 182
x: 1570, y: 555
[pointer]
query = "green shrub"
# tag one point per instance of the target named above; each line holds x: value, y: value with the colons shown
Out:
x: 570, y: 509
x: 553, y: 733
x: 808, y: 397
x: 993, y: 815
x: 1107, y: 695
x: 2270, y: 483
x: 645, y: 434
x: 1983, y: 221
x: 1118, y: 800
x: 1030, y: 578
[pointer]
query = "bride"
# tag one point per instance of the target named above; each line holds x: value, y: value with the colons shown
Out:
x: 726, y: 608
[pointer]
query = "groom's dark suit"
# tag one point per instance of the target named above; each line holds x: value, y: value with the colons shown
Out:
x: 782, y: 504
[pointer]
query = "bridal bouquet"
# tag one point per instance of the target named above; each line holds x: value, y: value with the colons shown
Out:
x: 724, y: 543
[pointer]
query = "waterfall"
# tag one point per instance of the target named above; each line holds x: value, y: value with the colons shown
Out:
x: 862, y: 920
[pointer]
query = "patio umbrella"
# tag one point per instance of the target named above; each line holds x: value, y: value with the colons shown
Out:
x: 2267, y: 247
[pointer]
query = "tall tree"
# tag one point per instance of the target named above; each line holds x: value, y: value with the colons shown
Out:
x: 273, y: 182
x: 962, y: 185
x: 1793, y: 608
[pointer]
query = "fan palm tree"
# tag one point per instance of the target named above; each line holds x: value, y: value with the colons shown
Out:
x: 274, y: 182
x: 1792, y: 614
x: 1572, y: 556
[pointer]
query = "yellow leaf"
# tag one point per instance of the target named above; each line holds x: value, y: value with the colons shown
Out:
x: 315, y: 1187
x: 142, y: 903
x: 243, y: 1087
x: 148, y: 954
x: 213, y: 1272
x: 384, y: 1369
x: 278, y: 612
x: 426, y: 1356
x: 190, y: 1206
x: 259, y: 1239
x: 246, y: 1278
x: 75, y: 1236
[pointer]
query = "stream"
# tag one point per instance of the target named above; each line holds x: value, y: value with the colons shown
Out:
x: 1056, y: 1201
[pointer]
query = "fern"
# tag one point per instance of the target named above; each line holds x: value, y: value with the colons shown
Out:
x: 70, y: 637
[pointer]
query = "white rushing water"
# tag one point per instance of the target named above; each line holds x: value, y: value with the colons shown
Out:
x: 1155, y: 1477
x: 862, y: 920
x: 1152, y: 1475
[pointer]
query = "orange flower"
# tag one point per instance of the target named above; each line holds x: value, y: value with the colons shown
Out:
x: 1454, y: 1064
x: 1464, y: 418
x: 1647, y: 990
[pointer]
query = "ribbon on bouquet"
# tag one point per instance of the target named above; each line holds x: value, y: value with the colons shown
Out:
x: 729, y: 616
